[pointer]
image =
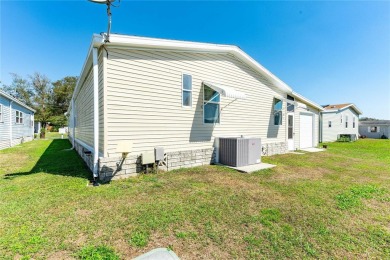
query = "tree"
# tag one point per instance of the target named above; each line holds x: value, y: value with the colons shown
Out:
x: 20, y: 88
x: 42, y: 95
x: 62, y: 94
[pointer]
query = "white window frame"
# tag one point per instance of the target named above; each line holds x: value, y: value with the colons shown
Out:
x: 1, y: 113
x: 186, y: 90
x: 211, y: 102
x: 341, y: 119
x: 374, y: 127
x: 19, y: 117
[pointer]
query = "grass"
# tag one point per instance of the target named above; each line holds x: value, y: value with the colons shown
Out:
x: 334, y: 204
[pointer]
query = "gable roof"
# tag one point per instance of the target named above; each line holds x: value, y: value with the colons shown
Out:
x: 337, y: 107
x: 119, y: 40
x: 4, y: 94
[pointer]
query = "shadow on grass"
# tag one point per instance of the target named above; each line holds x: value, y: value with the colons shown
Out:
x: 58, y: 159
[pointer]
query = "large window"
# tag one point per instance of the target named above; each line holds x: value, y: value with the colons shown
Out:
x: 211, y: 105
x: 278, y: 105
x: 19, y: 117
x: 346, y: 121
x: 1, y: 113
x: 186, y: 90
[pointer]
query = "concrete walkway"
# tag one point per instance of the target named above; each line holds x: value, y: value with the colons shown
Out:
x: 313, y: 150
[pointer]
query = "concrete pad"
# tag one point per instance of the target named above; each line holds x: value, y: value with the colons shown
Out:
x: 158, y: 254
x: 296, y: 153
x: 313, y: 150
x: 252, y: 168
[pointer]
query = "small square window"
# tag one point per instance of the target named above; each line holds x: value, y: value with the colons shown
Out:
x: 373, y: 129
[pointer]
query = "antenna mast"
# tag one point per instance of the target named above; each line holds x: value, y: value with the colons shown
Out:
x: 108, y: 3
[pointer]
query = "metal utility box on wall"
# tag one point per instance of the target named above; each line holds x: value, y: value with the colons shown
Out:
x: 159, y: 153
x: 148, y: 158
x: 239, y: 151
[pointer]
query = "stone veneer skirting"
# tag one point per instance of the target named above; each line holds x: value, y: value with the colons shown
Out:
x: 117, y: 168
x: 274, y: 148
x: 111, y: 168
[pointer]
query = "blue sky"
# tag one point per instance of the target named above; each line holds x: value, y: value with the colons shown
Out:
x: 330, y: 52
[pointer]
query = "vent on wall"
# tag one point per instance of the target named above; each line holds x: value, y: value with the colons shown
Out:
x: 239, y: 151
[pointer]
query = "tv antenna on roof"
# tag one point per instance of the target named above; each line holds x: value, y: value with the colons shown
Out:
x: 109, y: 4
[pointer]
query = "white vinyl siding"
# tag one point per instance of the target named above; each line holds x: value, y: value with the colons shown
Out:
x: 20, y: 131
x: 84, y: 111
x: 141, y: 98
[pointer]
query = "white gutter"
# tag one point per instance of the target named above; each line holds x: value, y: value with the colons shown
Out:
x: 10, y: 123
x: 95, y: 112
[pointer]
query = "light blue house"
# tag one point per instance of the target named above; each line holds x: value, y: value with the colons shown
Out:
x: 16, y: 121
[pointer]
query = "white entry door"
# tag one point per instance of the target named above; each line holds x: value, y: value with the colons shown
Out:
x: 305, y: 131
x: 290, y: 131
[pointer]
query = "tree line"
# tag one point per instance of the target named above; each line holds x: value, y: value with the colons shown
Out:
x: 49, y: 99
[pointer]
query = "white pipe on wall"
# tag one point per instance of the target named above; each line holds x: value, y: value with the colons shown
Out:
x: 95, y: 112
x: 10, y: 123
x: 73, y: 123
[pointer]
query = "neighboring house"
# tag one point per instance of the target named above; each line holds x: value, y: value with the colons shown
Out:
x: 16, y: 121
x: 339, y: 119
x: 182, y: 96
x: 375, y: 129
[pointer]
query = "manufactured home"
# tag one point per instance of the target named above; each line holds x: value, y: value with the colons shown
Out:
x: 375, y: 129
x: 339, y: 120
x: 135, y: 94
x: 16, y: 121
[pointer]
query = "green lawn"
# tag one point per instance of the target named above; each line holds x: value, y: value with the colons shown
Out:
x: 334, y: 204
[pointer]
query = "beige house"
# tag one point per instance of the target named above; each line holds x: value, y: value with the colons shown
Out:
x: 339, y: 119
x: 138, y: 93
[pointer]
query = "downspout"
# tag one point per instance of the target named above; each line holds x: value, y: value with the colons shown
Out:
x: 10, y: 123
x: 95, y: 113
x: 73, y: 124
x: 320, y: 127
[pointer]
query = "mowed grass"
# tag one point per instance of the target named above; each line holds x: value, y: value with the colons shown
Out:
x: 334, y: 204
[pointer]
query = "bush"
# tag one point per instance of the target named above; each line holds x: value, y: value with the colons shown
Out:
x: 43, y: 133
